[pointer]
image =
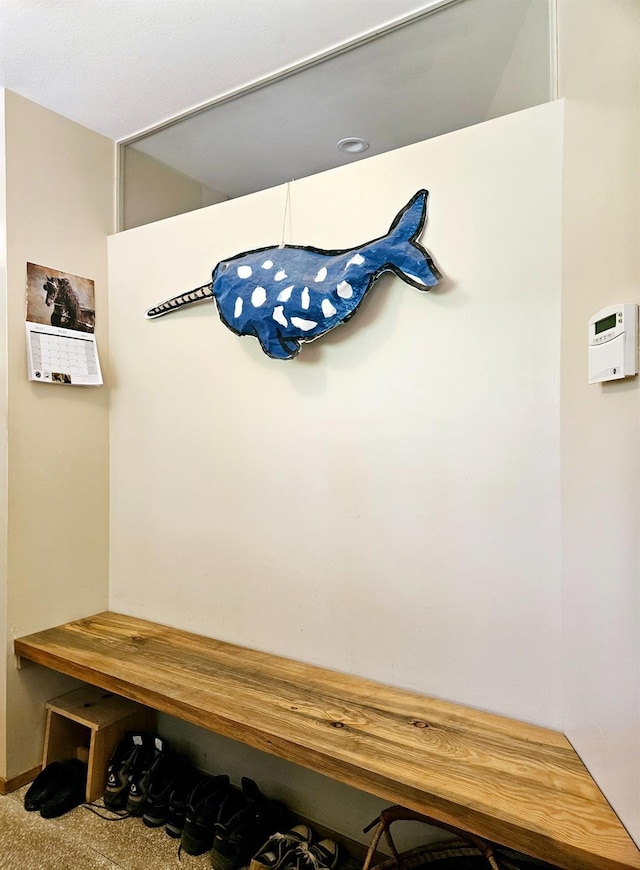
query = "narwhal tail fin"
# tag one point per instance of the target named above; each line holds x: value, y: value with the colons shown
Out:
x: 409, y: 222
x: 204, y: 292
x: 408, y: 259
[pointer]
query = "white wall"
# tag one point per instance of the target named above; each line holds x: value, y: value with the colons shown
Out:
x: 386, y: 504
x: 599, y: 51
x: 59, y: 210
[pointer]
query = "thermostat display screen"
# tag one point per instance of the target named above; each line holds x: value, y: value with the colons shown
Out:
x: 606, y: 323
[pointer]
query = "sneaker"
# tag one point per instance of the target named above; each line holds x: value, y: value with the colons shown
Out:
x: 202, y: 811
x: 240, y: 829
x: 120, y: 766
x: 152, y: 748
x: 164, y: 772
x: 327, y: 852
x: 179, y: 800
x: 44, y: 785
x: 321, y: 856
x: 276, y: 850
x: 70, y: 791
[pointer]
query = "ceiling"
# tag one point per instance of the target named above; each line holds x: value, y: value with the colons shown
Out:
x: 127, y: 67
x: 121, y: 66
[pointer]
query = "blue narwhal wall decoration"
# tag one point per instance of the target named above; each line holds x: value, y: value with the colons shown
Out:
x: 288, y: 295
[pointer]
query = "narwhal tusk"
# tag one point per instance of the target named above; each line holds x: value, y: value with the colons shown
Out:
x: 204, y: 292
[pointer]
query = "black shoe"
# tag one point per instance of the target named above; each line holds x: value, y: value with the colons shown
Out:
x: 119, y: 769
x: 45, y: 783
x: 165, y: 771
x: 240, y: 831
x: 321, y: 856
x: 275, y: 853
x: 152, y: 748
x: 70, y: 792
x: 202, y: 811
x: 327, y: 853
x: 179, y: 800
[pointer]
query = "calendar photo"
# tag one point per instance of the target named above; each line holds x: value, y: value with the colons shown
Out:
x: 59, y: 299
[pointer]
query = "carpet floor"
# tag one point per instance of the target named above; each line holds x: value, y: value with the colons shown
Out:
x: 81, y: 840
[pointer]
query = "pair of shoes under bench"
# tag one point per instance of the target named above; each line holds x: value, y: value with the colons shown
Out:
x: 167, y: 770
x: 203, y: 808
x: 60, y: 787
x: 246, y: 819
x: 128, y: 771
x: 293, y: 850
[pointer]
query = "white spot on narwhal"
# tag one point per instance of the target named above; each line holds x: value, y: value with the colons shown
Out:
x: 280, y: 276
x: 258, y: 297
x: 305, y: 299
x: 345, y: 290
x: 278, y: 315
x: 304, y: 325
x: 285, y: 295
x: 245, y: 271
x: 268, y: 264
x: 322, y: 274
x: 356, y: 260
x: 327, y: 308
x: 237, y: 311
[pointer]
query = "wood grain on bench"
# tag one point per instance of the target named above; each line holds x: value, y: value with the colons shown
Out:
x: 507, y: 781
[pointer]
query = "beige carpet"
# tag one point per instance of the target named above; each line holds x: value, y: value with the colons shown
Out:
x: 81, y: 840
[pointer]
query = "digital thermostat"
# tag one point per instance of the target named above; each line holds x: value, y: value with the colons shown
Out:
x: 613, y: 343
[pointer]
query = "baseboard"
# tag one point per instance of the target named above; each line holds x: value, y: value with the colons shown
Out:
x: 9, y: 785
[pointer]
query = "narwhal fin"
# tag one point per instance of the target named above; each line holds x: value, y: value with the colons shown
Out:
x: 410, y: 220
x: 407, y: 258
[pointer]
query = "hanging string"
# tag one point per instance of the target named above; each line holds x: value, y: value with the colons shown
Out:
x: 287, y: 213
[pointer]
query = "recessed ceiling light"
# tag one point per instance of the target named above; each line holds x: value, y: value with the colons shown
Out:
x: 352, y: 145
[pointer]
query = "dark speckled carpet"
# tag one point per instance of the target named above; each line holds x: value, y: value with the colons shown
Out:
x: 81, y: 840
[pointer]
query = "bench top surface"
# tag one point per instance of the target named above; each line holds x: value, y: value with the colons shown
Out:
x: 507, y: 781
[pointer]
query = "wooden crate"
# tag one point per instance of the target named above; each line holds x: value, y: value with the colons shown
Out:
x: 88, y: 723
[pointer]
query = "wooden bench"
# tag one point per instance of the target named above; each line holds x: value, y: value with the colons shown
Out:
x: 513, y: 783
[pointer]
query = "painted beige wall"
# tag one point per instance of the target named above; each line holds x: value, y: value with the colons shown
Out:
x: 3, y: 437
x: 599, y: 72
x: 390, y: 498
x: 387, y: 503
x: 154, y: 191
x: 60, y: 208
